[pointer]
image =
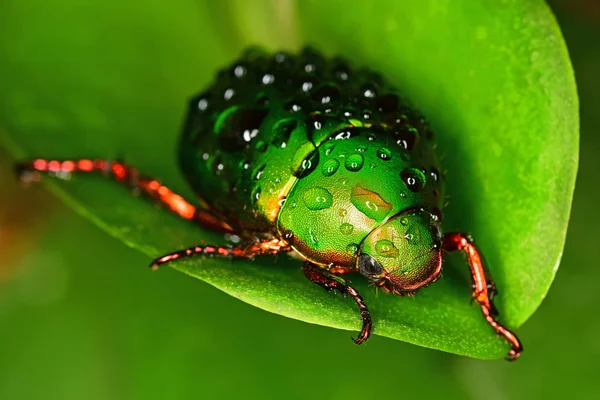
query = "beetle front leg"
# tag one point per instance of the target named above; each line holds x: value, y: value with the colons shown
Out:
x: 483, y: 288
x: 330, y: 282
x: 31, y: 171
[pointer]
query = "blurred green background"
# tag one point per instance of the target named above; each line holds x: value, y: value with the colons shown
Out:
x: 75, y: 323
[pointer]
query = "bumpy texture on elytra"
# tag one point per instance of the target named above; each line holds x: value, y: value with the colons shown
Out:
x: 308, y: 149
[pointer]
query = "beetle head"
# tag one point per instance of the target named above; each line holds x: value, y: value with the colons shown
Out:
x: 404, y: 253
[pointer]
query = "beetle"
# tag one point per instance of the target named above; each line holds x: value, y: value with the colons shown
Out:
x: 307, y: 154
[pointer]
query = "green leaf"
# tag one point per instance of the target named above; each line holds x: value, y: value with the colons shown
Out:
x: 111, y: 79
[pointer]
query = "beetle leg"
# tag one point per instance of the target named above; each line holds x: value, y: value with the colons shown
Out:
x: 31, y: 171
x: 258, y: 248
x: 329, y: 282
x: 483, y: 288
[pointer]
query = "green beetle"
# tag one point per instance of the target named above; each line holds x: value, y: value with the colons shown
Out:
x: 306, y: 154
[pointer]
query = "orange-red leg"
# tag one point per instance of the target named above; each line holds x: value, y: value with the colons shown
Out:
x: 146, y: 186
x: 483, y: 288
x: 330, y: 282
x: 259, y: 248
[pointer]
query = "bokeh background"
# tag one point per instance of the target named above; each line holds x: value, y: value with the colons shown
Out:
x: 76, y: 324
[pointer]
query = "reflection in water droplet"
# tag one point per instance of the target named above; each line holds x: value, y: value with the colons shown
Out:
x: 260, y: 172
x: 330, y: 167
x: 308, y: 165
x: 312, y: 237
x: 384, y: 153
x: 346, y: 228
x: 386, y: 248
x: 282, y: 132
x: 369, y: 203
x: 414, y: 179
x: 317, y: 198
x: 404, y: 221
x: 354, y: 162
x: 413, y: 234
x: 352, y: 248
x: 361, y: 149
x: 256, y: 194
x: 328, y: 148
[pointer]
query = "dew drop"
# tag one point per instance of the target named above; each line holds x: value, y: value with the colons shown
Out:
x: 256, y: 194
x: 342, y: 212
x: 435, y: 175
x: 352, y: 248
x: 267, y: 79
x: 369, y: 203
x: 346, y: 228
x: 328, y: 148
x: 317, y: 198
x: 414, y: 179
x: 403, y: 221
x: 309, y: 164
x: 237, y: 127
x: 239, y: 71
x: 229, y: 93
x: 386, y: 248
x: 259, y: 173
x: 282, y: 132
x: 354, y: 162
x: 326, y: 94
x: 384, y: 153
x: 261, y: 146
x: 312, y: 237
x: 343, y: 135
x: 330, y: 167
x: 203, y: 104
x: 361, y: 149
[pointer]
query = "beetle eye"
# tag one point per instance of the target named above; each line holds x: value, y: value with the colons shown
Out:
x: 368, y: 266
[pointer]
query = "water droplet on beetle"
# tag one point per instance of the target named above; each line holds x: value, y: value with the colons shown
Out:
x: 346, y: 228
x: 369, y: 203
x: 352, y: 248
x: 384, y: 153
x: 414, y: 179
x: 256, y: 194
x: 267, y: 79
x: 386, y: 248
x: 330, y: 167
x: 229, y: 93
x: 282, y: 132
x: 317, y: 198
x: 309, y: 164
x: 354, y: 162
x: 403, y: 221
x: 312, y: 237
x: 203, y: 104
x: 259, y: 173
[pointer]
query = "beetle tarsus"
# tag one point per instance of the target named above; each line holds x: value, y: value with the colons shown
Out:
x: 329, y: 282
x: 483, y: 288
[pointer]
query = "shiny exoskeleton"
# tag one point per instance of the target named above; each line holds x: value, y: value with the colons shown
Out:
x: 307, y: 154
